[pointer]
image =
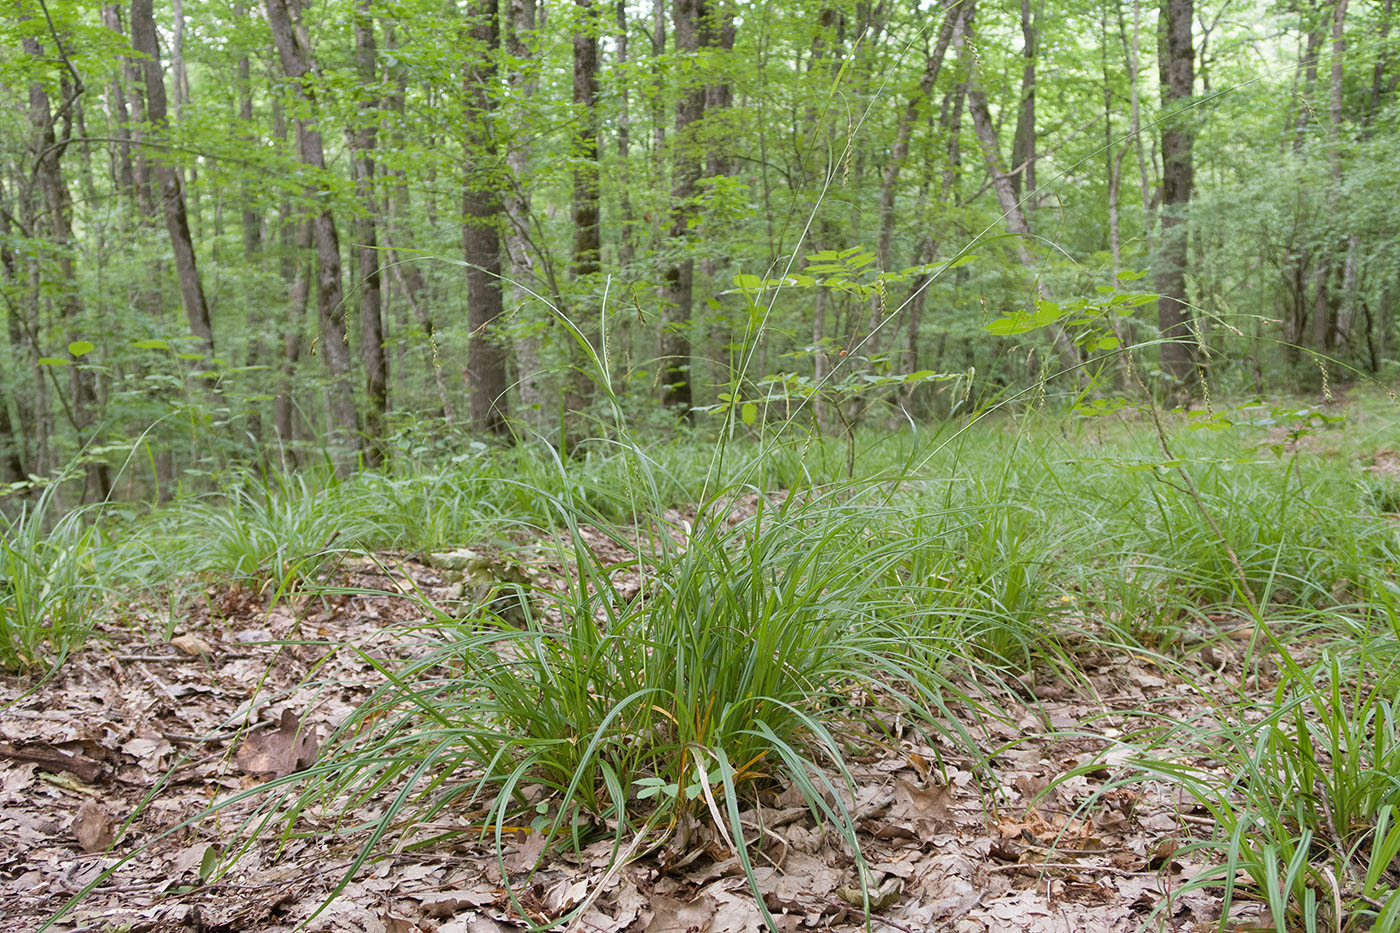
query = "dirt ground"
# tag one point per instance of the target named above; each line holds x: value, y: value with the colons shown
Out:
x: 107, y: 759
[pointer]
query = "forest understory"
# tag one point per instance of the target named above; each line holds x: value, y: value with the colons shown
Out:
x: 1042, y: 678
x: 703, y: 465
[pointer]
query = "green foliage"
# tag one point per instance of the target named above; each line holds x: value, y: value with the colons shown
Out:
x: 49, y: 592
x: 1306, y: 821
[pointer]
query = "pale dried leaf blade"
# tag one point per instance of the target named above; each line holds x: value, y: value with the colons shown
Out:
x: 286, y: 751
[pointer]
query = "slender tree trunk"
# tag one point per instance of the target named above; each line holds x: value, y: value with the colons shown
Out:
x: 297, y: 269
x: 177, y: 59
x: 1131, y: 66
x: 585, y: 264
x: 1379, y: 87
x: 1023, y: 144
x: 691, y: 33
x: 148, y: 296
x: 1309, y: 63
x: 143, y: 39
x: 899, y: 152
x: 658, y: 96
x: 251, y: 222
x: 1178, y: 86
x: 15, y: 444
x: 181, y: 85
x: 1325, y: 307
x: 536, y: 398
x: 293, y: 49
x: 1010, y: 205
x: 626, y: 222
x: 363, y: 140
x: 1113, y: 172
x: 46, y: 149
x: 823, y: 65
x: 250, y: 227
x: 117, y: 116
x: 1298, y: 256
x: 407, y: 274
x: 482, y: 213
x: 950, y: 122
x: 41, y: 424
x: 719, y: 97
x: 1112, y: 167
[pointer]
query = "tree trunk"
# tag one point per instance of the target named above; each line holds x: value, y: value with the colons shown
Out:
x: 899, y: 152
x: 1309, y: 64
x: 626, y: 222
x: 1325, y: 307
x: 250, y: 220
x: 587, y: 226
x: 1131, y: 65
x: 1023, y: 144
x: 1379, y: 86
x: 299, y: 273
x: 117, y: 116
x: 407, y: 274
x: 658, y: 96
x: 46, y: 148
x: 1010, y: 205
x: 689, y: 21
x: 250, y: 226
x: 534, y: 387
x: 950, y: 124
x: 143, y: 39
x: 148, y: 296
x: 41, y: 425
x: 1173, y: 309
x: 585, y: 139
x: 293, y: 49
x: 15, y: 445
x: 363, y: 141
x: 481, y: 219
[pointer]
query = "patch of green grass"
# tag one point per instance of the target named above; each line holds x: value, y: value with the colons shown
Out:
x: 756, y: 654
x: 49, y: 591
x: 735, y: 669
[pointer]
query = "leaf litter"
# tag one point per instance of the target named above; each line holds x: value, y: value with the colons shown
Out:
x: 115, y: 753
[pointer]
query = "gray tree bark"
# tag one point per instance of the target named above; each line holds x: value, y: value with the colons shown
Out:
x: 1023, y: 143
x: 690, y: 22
x: 1010, y: 205
x: 294, y: 52
x: 1326, y: 332
x: 588, y: 231
x: 1174, y: 318
x: 482, y: 213
x: 406, y: 274
x: 899, y: 152
x: 363, y: 139
x: 143, y: 39
x: 46, y: 149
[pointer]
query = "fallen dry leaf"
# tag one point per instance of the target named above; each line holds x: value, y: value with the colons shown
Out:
x: 913, y: 802
x: 886, y: 894
x: 192, y: 645
x: 286, y: 751
x: 672, y: 915
x: 93, y: 827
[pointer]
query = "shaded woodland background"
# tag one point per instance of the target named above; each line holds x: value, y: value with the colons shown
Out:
x: 277, y: 233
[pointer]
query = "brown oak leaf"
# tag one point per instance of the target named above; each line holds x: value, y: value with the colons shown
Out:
x: 288, y: 750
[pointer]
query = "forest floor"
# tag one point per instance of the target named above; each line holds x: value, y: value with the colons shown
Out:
x: 130, y: 739
x: 1053, y: 677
